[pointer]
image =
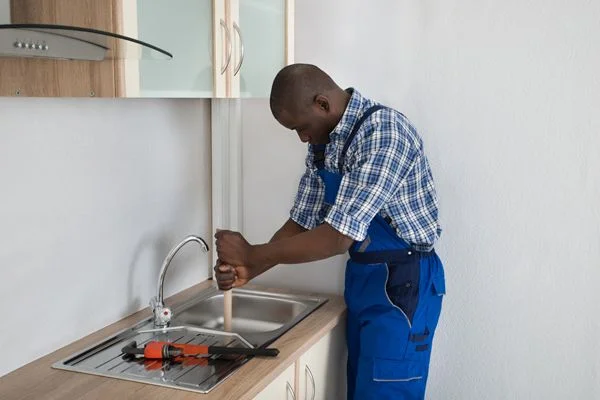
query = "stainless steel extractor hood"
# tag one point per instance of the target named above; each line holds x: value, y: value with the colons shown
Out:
x: 73, y: 43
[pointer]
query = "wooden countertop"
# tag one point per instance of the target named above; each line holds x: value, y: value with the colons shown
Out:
x: 37, y: 380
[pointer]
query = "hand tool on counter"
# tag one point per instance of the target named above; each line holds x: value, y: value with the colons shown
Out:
x: 157, y: 365
x: 168, y: 350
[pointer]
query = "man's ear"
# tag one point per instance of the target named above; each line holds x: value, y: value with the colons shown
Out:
x: 322, y: 103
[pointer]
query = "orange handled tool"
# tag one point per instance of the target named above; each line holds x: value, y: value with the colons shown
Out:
x: 157, y: 365
x: 168, y: 350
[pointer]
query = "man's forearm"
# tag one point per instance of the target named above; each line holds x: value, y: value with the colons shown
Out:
x: 289, y: 229
x: 316, y: 244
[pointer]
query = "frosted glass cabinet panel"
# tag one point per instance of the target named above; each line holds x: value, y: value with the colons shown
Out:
x: 4, y: 12
x: 262, y: 25
x: 185, y: 27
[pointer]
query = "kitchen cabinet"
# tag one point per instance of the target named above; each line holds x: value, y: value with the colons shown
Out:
x: 221, y: 48
x: 318, y: 374
x: 321, y: 370
x: 262, y: 42
x: 281, y: 387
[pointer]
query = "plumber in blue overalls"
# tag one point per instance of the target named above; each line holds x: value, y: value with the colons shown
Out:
x: 367, y: 189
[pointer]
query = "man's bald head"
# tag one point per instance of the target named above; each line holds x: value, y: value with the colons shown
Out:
x: 296, y: 86
x: 307, y: 100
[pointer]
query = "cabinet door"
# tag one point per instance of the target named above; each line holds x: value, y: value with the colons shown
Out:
x: 263, y: 44
x: 282, y: 387
x: 185, y: 28
x: 323, y: 368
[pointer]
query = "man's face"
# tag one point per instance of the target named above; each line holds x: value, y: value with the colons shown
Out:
x: 313, y: 124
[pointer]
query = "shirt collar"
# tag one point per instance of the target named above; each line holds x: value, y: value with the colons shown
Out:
x: 350, y: 116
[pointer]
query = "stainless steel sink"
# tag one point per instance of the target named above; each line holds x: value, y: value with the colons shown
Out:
x: 252, y: 312
x: 259, y: 318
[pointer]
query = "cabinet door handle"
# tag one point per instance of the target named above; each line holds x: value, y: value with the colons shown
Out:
x: 230, y: 46
x: 309, y: 374
x: 289, y: 389
x: 239, y: 32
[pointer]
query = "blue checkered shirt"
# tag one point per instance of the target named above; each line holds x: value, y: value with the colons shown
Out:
x: 385, y: 171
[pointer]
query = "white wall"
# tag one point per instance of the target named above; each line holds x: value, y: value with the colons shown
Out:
x: 505, y: 95
x: 95, y: 193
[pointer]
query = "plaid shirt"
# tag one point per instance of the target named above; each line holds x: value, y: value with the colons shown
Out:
x: 385, y: 172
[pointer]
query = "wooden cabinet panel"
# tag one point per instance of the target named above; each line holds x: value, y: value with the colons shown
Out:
x: 61, y: 78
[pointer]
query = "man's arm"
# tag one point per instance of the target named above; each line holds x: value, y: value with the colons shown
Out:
x: 315, y: 244
x: 289, y: 229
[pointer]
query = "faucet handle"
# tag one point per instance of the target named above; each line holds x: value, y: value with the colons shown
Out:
x: 162, y: 314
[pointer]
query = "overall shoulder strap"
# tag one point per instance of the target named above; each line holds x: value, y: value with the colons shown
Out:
x: 357, y: 126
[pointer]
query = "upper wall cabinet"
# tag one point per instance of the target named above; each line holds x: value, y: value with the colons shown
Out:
x: 221, y: 48
x: 179, y: 48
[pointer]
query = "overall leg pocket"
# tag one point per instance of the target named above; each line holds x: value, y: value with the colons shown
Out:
x: 430, y: 304
x: 402, y: 286
x: 387, y: 379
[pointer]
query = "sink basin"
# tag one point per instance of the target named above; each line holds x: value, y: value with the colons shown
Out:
x: 252, y: 312
x: 259, y: 318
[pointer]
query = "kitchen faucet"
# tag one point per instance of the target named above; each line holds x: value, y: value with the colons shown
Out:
x: 162, y: 314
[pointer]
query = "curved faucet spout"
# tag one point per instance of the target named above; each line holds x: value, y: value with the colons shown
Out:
x: 162, y: 314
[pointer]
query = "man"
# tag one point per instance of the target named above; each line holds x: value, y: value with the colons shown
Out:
x: 367, y: 189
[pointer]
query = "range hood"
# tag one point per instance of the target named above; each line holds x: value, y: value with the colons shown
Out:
x: 73, y: 43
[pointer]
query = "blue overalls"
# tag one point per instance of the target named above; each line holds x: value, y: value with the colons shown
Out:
x: 393, y: 295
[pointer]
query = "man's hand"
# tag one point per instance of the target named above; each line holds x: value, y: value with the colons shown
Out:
x: 235, y: 264
x: 233, y: 249
x: 229, y: 277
